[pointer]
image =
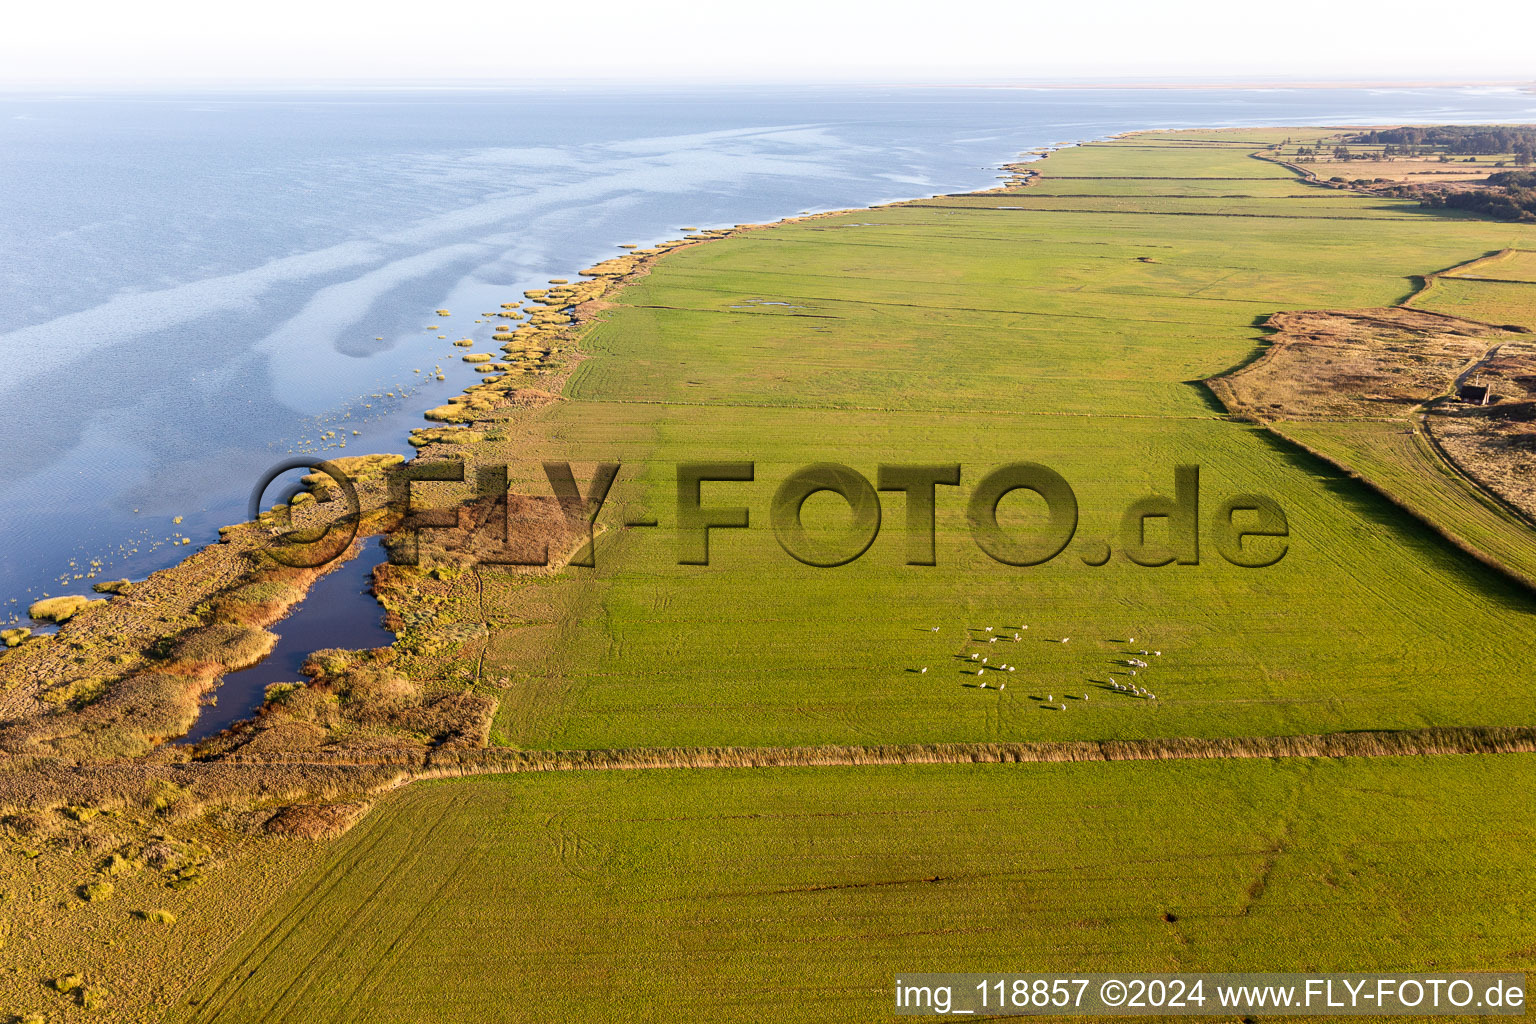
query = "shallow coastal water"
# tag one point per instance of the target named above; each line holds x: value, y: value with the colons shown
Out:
x: 339, y: 611
x: 195, y: 287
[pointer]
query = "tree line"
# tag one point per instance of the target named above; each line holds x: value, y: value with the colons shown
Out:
x: 1510, y: 195
x: 1457, y: 140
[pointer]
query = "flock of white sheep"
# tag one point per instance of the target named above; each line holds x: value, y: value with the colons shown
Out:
x: 980, y: 664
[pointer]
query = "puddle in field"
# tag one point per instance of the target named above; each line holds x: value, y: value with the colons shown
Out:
x: 339, y: 611
x: 755, y: 303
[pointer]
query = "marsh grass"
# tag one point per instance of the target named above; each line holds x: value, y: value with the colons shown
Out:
x: 227, y: 646
x: 92, y: 892
x: 59, y: 609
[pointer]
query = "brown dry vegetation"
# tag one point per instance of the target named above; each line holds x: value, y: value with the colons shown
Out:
x: 1346, y: 364
x: 1407, y: 364
x: 96, y: 698
x: 1495, y: 444
x: 1402, y: 170
x: 317, y: 821
x: 357, y: 706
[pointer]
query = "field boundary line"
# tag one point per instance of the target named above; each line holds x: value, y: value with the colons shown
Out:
x: 1433, y: 741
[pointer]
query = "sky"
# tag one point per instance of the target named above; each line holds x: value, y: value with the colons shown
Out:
x: 118, y: 44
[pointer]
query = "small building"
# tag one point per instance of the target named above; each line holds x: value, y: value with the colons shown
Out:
x: 1475, y: 393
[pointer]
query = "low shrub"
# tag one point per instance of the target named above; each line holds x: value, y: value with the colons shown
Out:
x: 264, y: 592
x: 316, y: 821
x: 278, y: 693
x: 94, y: 892
x: 117, y: 865
x: 62, y: 609
x: 225, y: 644
x: 330, y: 662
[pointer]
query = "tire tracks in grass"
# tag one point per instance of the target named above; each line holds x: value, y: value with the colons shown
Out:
x: 407, y: 934
x: 204, y: 1008
x: 297, y: 987
x: 1279, y: 846
x: 345, y: 861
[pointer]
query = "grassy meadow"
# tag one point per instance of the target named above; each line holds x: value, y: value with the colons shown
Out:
x: 1401, y: 463
x: 797, y: 894
x: 1511, y: 302
x: 1514, y: 265
x: 1069, y: 323
x: 983, y: 330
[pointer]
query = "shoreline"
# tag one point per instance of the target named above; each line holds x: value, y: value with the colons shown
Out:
x: 260, y: 804
x: 539, y: 356
x: 15, y: 616
x: 552, y: 320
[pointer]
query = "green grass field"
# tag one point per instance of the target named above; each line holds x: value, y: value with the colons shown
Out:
x: 1496, y: 302
x: 1068, y: 323
x: 1402, y: 465
x: 1510, y: 266
x: 798, y: 894
x: 951, y: 331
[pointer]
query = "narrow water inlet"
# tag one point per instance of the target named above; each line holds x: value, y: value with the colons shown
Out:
x: 339, y: 611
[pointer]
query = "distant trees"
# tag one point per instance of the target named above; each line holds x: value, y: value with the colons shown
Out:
x: 1456, y: 140
x: 1506, y: 195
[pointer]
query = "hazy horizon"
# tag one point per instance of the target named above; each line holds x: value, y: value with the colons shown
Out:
x: 98, y: 45
x: 1228, y: 82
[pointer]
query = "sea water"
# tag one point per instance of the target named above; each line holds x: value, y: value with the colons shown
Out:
x: 194, y: 287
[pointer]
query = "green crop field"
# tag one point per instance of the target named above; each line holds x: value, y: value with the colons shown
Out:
x: 798, y: 894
